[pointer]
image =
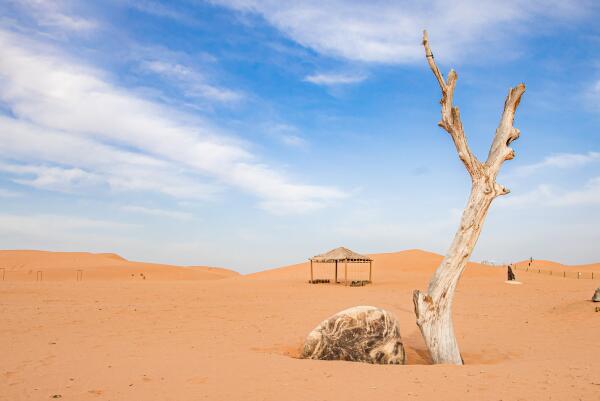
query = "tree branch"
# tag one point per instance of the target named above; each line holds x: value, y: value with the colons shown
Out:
x: 505, y: 133
x: 451, y: 122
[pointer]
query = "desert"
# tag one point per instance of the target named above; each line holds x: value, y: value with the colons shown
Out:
x: 267, y: 200
x: 176, y: 336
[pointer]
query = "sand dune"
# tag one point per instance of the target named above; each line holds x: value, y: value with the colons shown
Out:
x: 60, y: 266
x: 555, y: 266
x: 237, y: 338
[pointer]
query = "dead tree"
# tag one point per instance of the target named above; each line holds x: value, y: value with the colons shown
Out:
x: 434, y: 308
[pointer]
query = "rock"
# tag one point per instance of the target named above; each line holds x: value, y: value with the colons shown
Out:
x: 360, y: 334
x: 596, y: 297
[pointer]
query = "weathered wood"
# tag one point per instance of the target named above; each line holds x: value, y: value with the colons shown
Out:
x: 433, y: 308
x: 359, y: 334
x: 336, y: 270
x: 346, y: 272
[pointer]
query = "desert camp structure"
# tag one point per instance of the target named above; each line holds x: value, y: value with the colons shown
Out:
x: 336, y: 257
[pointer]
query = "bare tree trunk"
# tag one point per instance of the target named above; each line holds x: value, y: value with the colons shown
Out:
x: 434, y: 308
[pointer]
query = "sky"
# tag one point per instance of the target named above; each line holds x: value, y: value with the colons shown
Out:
x: 253, y: 134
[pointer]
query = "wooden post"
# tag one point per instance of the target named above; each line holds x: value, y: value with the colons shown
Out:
x: 336, y: 272
x: 3, y: 273
x: 370, y: 271
x: 311, y: 271
x: 79, y: 275
x: 564, y: 274
x: 345, y: 272
x: 578, y: 275
x: 592, y: 275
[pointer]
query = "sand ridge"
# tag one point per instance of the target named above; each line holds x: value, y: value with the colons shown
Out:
x: 24, y: 265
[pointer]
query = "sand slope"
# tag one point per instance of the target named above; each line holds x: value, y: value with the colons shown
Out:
x: 24, y: 265
x: 236, y: 339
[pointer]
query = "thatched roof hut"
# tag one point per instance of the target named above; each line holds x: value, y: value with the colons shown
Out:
x: 337, y: 255
x: 340, y: 254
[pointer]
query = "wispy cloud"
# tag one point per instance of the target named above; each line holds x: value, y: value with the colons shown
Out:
x: 191, y: 82
x: 560, y: 161
x: 161, y: 10
x: 171, y: 214
x: 58, y: 161
x: 332, y: 79
x: 69, y: 115
x: 53, y: 178
x: 390, y: 32
x: 286, y: 134
x: 549, y: 195
x: 56, y: 15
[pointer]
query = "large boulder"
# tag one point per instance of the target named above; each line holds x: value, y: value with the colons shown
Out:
x: 360, y: 334
x: 596, y: 297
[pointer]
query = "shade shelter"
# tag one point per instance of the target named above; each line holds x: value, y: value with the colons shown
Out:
x: 341, y: 255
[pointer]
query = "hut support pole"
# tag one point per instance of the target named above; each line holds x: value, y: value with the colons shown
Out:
x: 336, y: 272
x: 345, y: 272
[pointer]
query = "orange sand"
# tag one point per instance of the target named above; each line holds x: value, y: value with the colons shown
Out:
x: 64, y: 266
x: 182, y: 335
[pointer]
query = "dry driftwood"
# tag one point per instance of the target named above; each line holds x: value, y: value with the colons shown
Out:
x: 360, y: 334
x: 434, y: 307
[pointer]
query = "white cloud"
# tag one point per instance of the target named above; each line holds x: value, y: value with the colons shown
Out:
x: 161, y: 10
x: 548, y: 195
x: 335, y: 79
x: 53, y: 178
x: 54, y: 14
x: 171, y: 214
x: 39, y: 149
x: 286, y: 134
x: 390, y: 31
x: 540, y: 195
x: 561, y: 161
x: 69, y: 114
x: 191, y: 82
x: 588, y: 195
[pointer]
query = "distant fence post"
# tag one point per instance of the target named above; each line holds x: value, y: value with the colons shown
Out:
x: 79, y: 275
x: 3, y: 273
x: 564, y: 274
x: 592, y: 275
x: 578, y: 275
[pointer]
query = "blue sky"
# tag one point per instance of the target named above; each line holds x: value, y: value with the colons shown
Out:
x: 251, y: 134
